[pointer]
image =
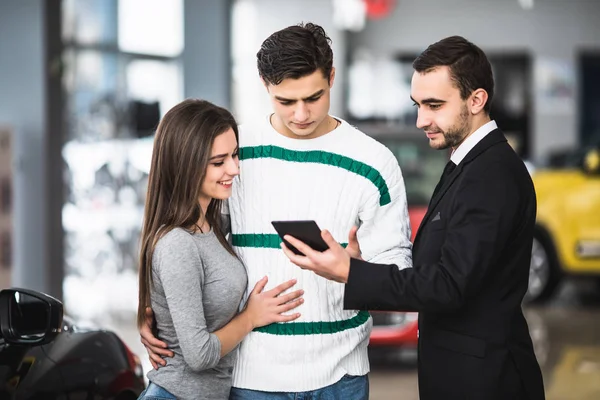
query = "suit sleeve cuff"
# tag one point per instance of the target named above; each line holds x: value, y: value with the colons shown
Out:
x: 354, y: 288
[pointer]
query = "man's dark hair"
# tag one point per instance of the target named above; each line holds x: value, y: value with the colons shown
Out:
x: 469, y: 66
x: 295, y: 52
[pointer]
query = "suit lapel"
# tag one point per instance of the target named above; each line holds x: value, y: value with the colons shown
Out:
x: 494, y: 137
x: 436, y: 199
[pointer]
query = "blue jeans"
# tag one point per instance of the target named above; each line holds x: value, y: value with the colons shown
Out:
x: 347, y: 388
x: 155, y: 392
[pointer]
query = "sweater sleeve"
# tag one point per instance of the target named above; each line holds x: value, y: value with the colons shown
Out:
x: 384, y: 232
x: 179, y: 267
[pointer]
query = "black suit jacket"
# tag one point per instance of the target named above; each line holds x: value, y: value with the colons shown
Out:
x: 471, y: 260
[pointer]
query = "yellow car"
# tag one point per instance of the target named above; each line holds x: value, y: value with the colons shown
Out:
x: 567, y: 237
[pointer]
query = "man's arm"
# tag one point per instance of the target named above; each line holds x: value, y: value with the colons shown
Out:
x: 384, y: 232
x: 481, y: 224
x: 157, y: 349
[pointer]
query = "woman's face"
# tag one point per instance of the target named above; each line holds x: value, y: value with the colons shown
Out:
x: 223, y: 166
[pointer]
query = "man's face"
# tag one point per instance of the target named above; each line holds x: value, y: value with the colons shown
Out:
x: 442, y: 114
x: 301, y: 106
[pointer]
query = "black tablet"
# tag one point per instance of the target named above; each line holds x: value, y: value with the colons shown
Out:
x: 306, y: 231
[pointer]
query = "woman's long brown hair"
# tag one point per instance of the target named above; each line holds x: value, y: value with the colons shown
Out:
x: 182, y: 147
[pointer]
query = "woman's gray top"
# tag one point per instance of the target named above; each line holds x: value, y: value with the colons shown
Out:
x: 197, y: 289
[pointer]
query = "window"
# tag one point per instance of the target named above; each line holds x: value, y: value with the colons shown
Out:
x: 122, y: 72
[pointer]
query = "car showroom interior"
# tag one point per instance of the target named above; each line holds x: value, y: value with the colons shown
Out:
x: 85, y: 83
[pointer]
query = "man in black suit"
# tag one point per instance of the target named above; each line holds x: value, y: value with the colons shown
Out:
x: 472, y: 251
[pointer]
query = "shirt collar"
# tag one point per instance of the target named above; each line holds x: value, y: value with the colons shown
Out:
x: 465, y: 147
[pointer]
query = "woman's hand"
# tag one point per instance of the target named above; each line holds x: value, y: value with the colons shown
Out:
x: 264, y: 308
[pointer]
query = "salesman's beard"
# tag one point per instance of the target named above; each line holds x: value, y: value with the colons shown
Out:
x: 456, y: 134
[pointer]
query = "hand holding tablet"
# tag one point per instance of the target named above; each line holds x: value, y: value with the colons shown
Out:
x: 305, y: 231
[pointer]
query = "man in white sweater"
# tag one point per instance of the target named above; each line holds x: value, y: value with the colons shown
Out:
x: 300, y: 163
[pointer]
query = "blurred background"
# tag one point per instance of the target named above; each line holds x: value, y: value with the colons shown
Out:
x: 83, y: 84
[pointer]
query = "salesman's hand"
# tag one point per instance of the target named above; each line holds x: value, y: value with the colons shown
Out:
x: 156, y: 349
x: 353, y: 248
x: 333, y: 264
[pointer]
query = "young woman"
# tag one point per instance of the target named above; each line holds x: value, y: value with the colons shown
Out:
x: 189, y: 274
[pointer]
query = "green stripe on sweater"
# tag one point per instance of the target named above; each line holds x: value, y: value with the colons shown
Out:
x: 321, y: 157
x: 260, y: 240
x: 315, y: 328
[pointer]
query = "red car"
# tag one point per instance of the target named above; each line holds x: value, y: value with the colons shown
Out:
x: 421, y: 168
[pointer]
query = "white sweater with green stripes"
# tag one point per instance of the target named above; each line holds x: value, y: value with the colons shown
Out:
x: 340, y: 179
